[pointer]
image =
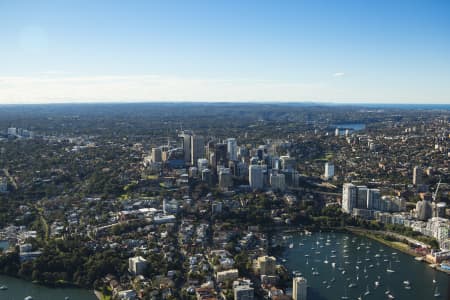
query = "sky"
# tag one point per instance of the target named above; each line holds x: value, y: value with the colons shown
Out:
x: 372, y: 51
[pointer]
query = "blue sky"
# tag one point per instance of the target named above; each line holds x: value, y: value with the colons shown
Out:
x: 334, y: 51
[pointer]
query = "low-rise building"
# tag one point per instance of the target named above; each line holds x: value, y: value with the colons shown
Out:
x: 227, y: 275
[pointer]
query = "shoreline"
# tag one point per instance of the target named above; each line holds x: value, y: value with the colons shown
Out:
x: 397, y: 245
x: 393, y: 245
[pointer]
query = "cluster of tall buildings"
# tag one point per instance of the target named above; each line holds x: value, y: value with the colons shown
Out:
x: 19, y: 132
x: 426, y: 209
x: 216, y: 161
x: 363, y: 201
x: 359, y: 197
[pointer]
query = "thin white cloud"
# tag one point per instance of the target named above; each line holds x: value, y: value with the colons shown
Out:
x: 338, y: 74
x: 59, y: 88
x: 53, y: 72
x: 54, y: 88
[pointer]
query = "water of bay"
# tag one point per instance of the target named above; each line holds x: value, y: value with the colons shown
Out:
x: 350, y: 126
x: 358, y: 264
x: 18, y: 289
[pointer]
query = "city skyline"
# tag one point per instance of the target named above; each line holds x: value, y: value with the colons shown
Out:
x: 227, y: 51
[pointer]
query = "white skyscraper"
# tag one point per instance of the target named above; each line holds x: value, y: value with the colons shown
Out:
x: 329, y: 170
x: 255, y: 176
x: 232, y: 149
x: 299, y: 288
x: 336, y: 132
x: 349, y: 195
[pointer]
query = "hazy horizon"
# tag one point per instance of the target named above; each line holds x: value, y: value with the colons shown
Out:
x: 253, y: 51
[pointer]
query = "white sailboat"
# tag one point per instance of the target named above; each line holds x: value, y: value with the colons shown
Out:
x: 436, y: 292
x: 389, y: 270
x: 315, y: 272
x: 345, y: 295
x: 367, y: 292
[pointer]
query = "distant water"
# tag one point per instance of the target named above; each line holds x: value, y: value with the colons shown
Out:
x: 19, y: 289
x: 354, y: 254
x: 350, y: 126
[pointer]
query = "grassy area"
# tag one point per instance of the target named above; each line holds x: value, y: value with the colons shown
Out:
x: 400, y: 245
x: 393, y: 244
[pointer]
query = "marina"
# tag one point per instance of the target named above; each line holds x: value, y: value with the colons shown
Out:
x: 355, y: 267
x: 18, y: 289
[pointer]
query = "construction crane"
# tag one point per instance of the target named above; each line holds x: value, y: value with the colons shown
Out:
x: 437, y: 190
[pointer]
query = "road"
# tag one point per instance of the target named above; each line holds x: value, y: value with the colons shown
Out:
x: 11, y: 179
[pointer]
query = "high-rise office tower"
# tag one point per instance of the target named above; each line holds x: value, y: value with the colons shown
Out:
x: 232, y: 149
x: 207, y: 176
x: 256, y: 177
x: 288, y: 163
x: 220, y: 154
x: 225, y: 178
x: 277, y: 181
x: 197, y: 148
x: 186, y: 139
